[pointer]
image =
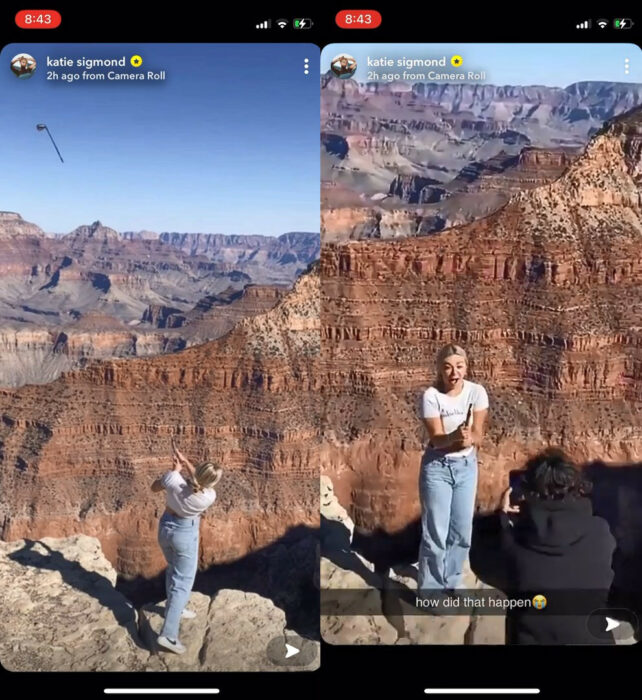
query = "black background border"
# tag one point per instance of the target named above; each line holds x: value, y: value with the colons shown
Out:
x: 352, y: 671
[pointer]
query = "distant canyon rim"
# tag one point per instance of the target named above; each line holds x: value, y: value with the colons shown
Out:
x: 96, y: 293
x: 401, y: 159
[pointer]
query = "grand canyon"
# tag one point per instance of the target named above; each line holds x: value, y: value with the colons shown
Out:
x: 401, y: 159
x: 545, y: 293
x: 96, y: 293
x: 78, y: 453
x: 112, y: 344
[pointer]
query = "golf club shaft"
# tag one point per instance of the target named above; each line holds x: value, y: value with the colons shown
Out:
x: 54, y: 143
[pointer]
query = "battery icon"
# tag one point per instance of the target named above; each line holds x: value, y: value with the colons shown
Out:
x: 622, y: 23
x: 302, y: 23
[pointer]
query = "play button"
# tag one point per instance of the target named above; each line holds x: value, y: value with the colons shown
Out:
x: 612, y: 624
x: 292, y: 650
x: 619, y: 624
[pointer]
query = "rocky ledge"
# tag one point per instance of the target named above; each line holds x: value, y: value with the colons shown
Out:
x: 366, y: 604
x: 60, y: 611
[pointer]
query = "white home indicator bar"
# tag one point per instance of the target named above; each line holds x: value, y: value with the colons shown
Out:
x: 482, y: 691
x: 162, y: 691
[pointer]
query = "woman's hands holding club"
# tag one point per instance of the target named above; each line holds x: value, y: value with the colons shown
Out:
x: 180, y: 459
x: 463, y: 436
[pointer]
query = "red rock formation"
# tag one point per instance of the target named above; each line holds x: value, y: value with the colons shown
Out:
x: 161, y: 316
x: 78, y: 455
x: 508, y: 175
x: 12, y: 224
x: 423, y: 143
x: 217, y: 314
x: 48, y: 283
x: 479, y: 189
x: 32, y: 355
x: 38, y: 356
x: 546, y: 295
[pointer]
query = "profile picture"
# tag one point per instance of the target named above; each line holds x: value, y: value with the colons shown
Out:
x: 23, y: 65
x: 343, y: 66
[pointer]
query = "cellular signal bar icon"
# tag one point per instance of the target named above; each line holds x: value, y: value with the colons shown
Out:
x: 265, y: 24
x: 586, y: 24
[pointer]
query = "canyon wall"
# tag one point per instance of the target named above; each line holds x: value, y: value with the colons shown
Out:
x: 97, y: 294
x: 406, y: 159
x: 546, y: 296
x: 78, y: 455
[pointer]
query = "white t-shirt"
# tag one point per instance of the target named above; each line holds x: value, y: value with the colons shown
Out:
x: 453, y: 409
x: 182, y: 500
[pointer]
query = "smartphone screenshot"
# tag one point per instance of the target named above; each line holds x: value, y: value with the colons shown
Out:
x: 159, y: 246
x: 481, y: 297
x: 324, y: 388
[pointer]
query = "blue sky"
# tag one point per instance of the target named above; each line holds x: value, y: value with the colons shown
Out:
x: 556, y: 65
x: 228, y: 143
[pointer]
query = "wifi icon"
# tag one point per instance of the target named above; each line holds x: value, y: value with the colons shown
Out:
x: 602, y: 23
x: 281, y: 23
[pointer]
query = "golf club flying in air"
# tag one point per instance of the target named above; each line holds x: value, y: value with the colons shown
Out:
x: 44, y: 127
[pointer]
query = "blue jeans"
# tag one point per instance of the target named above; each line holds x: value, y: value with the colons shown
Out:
x: 178, y: 538
x: 447, y: 488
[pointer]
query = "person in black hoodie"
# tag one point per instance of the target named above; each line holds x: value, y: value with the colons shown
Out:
x: 549, y: 543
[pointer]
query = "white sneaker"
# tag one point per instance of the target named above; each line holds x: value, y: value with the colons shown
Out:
x: 176, y: 646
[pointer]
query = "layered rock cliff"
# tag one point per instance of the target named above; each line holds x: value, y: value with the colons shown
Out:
x: 267, y: 259
x: 78, y: 455
x: 448, y: 153
x: 546, y: 296
x: 39, y: 356
x: 12, y: 224
x: 217, y: 314
x: 57, y: 294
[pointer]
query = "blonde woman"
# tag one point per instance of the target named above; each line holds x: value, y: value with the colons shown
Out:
x: 454, y: 413
x: 178, y: 537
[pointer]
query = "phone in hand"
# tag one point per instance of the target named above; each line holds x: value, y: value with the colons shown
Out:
x: 516, y: 482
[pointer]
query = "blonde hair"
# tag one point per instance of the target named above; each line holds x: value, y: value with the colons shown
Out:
x: 447, y: 351
x: 206, y: 476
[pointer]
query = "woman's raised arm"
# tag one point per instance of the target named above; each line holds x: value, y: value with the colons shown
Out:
x: 180, y: 458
